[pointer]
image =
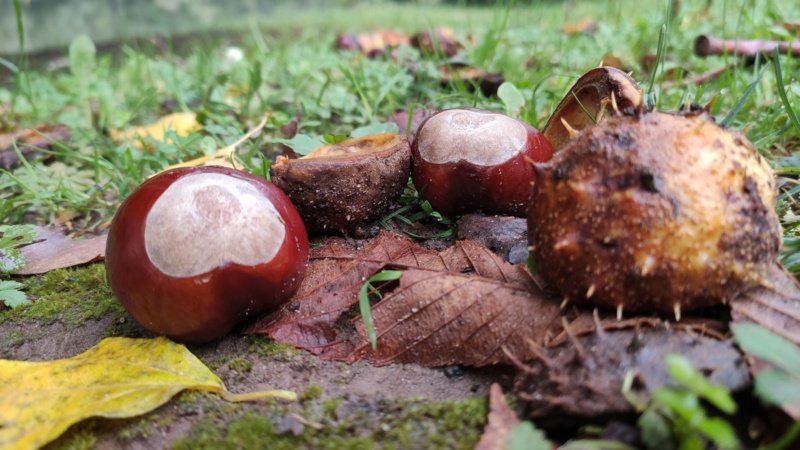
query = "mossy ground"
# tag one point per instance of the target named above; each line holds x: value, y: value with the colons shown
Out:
x: 389, y: 424
x: 337, y: 407
x: 70, y: 296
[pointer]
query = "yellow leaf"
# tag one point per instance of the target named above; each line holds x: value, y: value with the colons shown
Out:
x: 182, y: 124
x: 119, y: 377
x: 225, y: 157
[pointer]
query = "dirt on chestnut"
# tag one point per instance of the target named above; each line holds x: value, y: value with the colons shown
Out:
x: 654, y: 211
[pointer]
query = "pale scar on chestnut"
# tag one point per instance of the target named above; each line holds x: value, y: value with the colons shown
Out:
x: 204, y: 221
x: 480, y: 138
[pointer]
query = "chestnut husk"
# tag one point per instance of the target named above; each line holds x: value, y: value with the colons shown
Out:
x: 654, y: 212
x: 339, y: 187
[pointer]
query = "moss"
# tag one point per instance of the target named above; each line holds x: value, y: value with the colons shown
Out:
x: 391, y: 424
x: 143, y: 427
x: 240, y: 365
x: 10, y: 340
x: 71, y: 296
x: 83, y: 439
x: 264, y: 346
x: 312, y: 392
x: 330, y: 408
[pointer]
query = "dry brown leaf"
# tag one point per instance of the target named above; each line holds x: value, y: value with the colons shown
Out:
x: 582, y: 379
x: 502, y: 419
x: 775, y: 307
x: 439, y: 318
x: 374, y: 43
x: 311, y: 320
x: 585, y: 26
x: 30, y: 142
x: 335, y: 275
x: 441, y: 41
x: 53, y: 250
x: 418, y: 115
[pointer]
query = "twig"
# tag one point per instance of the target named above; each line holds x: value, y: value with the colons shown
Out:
x: 709, y: 45
x: 698, y: 79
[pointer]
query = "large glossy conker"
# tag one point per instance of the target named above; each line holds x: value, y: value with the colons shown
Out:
x: 469, y: 160
x: 194, y: 251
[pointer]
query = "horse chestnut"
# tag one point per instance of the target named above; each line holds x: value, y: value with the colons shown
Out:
x: 194, y: 251
x: 469, y: 160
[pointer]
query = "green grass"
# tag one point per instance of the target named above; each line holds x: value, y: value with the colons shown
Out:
x: 290, y: 66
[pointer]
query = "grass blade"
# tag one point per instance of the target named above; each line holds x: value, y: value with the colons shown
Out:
x: 776, y: 64
x: 740, y: 104
x: 363, y: 301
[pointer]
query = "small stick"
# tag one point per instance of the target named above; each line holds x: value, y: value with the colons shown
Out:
x: 697, y: 79
x: 709, y: 45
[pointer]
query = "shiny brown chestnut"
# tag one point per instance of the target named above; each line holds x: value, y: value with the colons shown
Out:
x: 195, y: 251
x: 469, y: 160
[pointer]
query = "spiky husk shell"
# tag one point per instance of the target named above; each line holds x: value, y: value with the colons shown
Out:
x: 653, y: 211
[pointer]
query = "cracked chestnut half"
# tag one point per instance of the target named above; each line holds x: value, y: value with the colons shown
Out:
x: 469, y: 160
x: 194, y: 251
x: 339, y: 187
x: 654, y: 212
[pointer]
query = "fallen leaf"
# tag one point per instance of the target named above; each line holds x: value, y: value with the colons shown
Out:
x: 417, y: 116
x: 335, y: 275
x: 582, y: 378
x: 440, y: 318
x: 374, y: 43
x: 120, y: 377
x: 470, y: 76
x: 338, y: 269
x: 225, y: 157
x: 585, y: 26
x: 53, y: 250
x: 775, y: 306
x: 182, y: 124
x: 441, y: 42
x: 31, y: 144
x: 502, y: 419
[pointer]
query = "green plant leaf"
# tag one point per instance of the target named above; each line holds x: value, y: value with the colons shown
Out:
x: 11, y: 237
x: 82, y: 57
x: 656, y: 430
x: 334, y: 138
x: 682, y: 371
x: 777, y: 387
x: 764, y: 344
x: 511, y: 97
x: 363, y: 301
x: 375, y: 128
x: 303, y: 144
x: 719, y: 431
x: 11, y: 295
x: 525, y: 436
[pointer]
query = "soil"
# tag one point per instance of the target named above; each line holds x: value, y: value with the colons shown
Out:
x: 362, y: 394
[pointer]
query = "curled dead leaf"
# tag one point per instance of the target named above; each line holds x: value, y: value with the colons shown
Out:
x: 53, y: 250
x: 502, y: 419
x: 32, y: 143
